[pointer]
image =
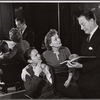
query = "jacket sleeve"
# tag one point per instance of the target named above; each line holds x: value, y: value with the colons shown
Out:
x: 31, y: 38
x: 31, y: 84
x: 11, y: 54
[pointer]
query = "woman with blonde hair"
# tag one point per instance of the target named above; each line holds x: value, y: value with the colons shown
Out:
x: 17, y: 52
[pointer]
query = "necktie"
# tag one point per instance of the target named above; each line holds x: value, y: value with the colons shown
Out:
x: 88, y: 38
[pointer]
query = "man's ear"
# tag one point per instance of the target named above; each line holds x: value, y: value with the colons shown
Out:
x: 30, y: 61
x: 92, y: 20
x: 51, y: 44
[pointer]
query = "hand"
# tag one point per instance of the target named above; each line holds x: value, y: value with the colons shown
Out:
x: 47, y: 73
x: 1, y: 56
x: 73, y: 56
x: 24, y: 73
x: 67, y: 83
x: 43, y: 66
x: 74, y: 65
x: 37, y: 70
x: 45, y: 69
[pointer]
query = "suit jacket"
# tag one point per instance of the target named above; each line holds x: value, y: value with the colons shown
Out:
x: 29, y: 36
x: 90, y: 73
x: 37, y: 87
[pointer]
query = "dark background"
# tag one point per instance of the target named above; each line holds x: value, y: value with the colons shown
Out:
x: 41, y: 17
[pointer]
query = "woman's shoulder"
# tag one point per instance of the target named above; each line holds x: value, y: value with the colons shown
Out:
x: 64, y: 48
x: 22, y: 43
x: 46, y: 52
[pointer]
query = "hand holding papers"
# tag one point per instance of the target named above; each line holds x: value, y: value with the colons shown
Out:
x: 72, y: 60
x: 73, y: 63
x: 77, y: 59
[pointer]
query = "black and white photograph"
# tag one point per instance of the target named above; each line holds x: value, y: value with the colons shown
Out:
x: 49, y: 50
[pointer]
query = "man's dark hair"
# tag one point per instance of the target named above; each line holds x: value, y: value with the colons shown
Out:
x: 27, y: 53
x: 22, y: 20
x: 4, y: 47
x: 88, y: 15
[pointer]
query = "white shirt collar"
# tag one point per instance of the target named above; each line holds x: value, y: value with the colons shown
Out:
x: 91, y: 34
x: 24, y: 28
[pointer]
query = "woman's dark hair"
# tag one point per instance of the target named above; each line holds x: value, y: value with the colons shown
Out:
x: 15, y: 35
x: 88, y: 15
x: 47, y: 39
x: 4, y: 47
x: 28, y: 53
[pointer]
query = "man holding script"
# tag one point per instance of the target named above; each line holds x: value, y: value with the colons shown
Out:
x: 89, y: 79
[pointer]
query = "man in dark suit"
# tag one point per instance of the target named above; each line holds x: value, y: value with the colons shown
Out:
x: 89, y: 80
x: 27, y: 34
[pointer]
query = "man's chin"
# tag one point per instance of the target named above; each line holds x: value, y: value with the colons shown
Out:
x: 86, y: 32
x: 60, y: 45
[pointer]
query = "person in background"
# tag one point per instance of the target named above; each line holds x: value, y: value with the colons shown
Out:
x: 89, y: 79
x: 4, y: 47
x: 53, y: 56
x: 39, y: 82
x: 27, y: 33
x: 17, y: 53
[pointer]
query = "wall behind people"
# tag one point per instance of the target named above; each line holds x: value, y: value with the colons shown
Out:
x: 6, y: 20
x: 41, y: 17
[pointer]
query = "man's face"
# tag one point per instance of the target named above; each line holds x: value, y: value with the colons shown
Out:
x: 86, y: 25
x: 19, y: 25
x: 35, y: 57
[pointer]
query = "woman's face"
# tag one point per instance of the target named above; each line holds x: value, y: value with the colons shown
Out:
x: 10, y: 35
x: 35, y: 57
x: 55, y: 41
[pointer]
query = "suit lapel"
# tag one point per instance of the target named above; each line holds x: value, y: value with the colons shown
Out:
x: 24, y: 33
x: 88, y: 45
x: 85, y: 46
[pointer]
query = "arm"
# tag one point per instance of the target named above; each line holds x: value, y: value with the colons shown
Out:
x: 47, y: 72
x: 11, y: 54
x: 67, y: 82
x: 24, y: 73
x: 31, y: 84
x: 71, y: 71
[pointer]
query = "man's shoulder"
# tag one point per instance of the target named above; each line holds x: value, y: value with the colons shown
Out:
x: 28, y: 29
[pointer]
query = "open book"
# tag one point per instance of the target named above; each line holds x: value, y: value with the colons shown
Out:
x: 78, y: 58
